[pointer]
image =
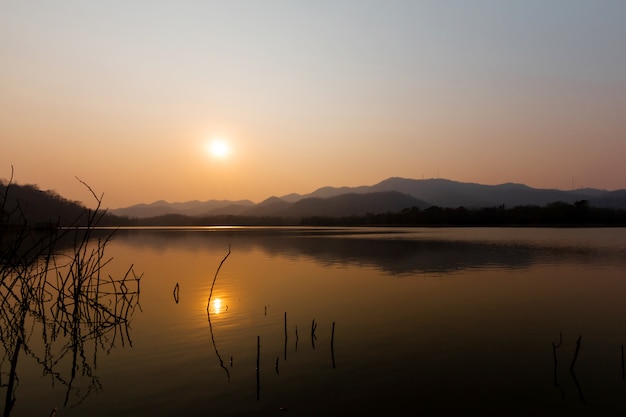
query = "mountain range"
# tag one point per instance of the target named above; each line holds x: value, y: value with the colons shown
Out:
x: 390, y: 195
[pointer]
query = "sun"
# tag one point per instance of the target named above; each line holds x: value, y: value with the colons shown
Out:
x: 218, y: 148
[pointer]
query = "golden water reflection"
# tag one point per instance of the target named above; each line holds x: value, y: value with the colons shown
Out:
x: 433, y: 313
x: 217, y: 306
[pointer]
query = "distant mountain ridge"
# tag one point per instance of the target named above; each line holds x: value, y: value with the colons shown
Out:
x: 392, y: 194
x: 337, y: 206
x: 189, y: 208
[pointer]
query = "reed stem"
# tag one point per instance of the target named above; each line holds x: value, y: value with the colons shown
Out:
x: 215, y: 278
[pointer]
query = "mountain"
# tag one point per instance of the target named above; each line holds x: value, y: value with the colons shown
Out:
x: 610, y: 199
x: 22, y: 205
x: 393, y: 195
x: 189, y: 208
x: 291, y: 198
x: 447, y: 193
x: 338, y: 206
x: 405, y: 193
x: 326, y: 192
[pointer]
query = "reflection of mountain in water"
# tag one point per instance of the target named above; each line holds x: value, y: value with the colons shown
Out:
x: 396, y: 252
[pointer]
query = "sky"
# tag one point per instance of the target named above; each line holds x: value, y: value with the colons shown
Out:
x: 127, y: 95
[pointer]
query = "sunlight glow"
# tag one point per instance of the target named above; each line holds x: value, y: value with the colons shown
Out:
x: 218, y: 148
x: 218, y: 306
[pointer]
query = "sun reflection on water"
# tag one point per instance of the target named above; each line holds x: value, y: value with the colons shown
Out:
x: 218, y: 306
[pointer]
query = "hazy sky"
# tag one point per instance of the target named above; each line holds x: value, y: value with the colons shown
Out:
x: 127, y: 94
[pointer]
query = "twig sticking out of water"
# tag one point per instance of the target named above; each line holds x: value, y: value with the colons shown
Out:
x: 285, y: 347
x: 554, y: 348
x: 313, y: 337
x: 297, y: 337
x: 215, y: 278
x: 571, y: 367
x: 209, y: 317
x: 285, y: 325
x: 557, y: 345
x: 258, y: 375
x: 332, y: 344
x: 176, y: 291
x: 623, y: 370
x: 65, y: 294
x: 10, y: 398
x: 217, y: 353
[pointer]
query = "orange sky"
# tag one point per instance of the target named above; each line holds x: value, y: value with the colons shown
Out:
x: 126, y: 95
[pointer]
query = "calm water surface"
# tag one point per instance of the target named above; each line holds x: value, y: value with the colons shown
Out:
x: 430, y: 322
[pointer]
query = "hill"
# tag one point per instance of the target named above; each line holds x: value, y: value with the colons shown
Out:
x: 189, y: 208
x: 426, y: 192
x: 459, y: 204
x: 447, y: 193
x: 28, y: 204
x: 350, y: 204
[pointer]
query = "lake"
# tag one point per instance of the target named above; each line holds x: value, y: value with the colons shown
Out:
x: 344, y: 321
